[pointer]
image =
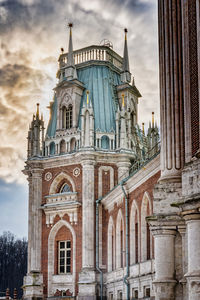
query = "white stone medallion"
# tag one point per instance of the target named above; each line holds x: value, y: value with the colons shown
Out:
x: 48, y: 176
x: 76, y: 172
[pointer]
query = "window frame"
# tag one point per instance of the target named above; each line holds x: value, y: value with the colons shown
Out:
x: 66, y: 250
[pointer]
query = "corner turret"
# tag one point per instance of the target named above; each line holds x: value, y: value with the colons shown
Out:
x: 35, y: 139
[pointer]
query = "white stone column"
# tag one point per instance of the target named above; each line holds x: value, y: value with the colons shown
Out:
x: 123, y: 169
x: 87, y: 276
x: 88, y: 214
x: 164, y: 263
x: 33, y: 281
x: 183, y: 281
x: 193, y: 274
x: 171, y: 87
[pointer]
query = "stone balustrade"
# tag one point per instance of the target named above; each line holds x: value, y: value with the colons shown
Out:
x: 93, y: 53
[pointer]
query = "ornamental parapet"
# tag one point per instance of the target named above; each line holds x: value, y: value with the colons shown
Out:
x: 61, y: 204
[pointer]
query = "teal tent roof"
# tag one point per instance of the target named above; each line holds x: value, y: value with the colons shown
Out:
x: 101, y: 82
x: 51, y: 129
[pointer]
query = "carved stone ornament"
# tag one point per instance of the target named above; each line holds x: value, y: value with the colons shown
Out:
x: 48, y: 176
x: 76, y: 172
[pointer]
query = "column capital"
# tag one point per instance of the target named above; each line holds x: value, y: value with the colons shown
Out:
x: 163, y: 231
x: 192, y: 215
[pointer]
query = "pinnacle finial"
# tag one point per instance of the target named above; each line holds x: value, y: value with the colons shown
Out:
x: 153, y: 119
x: 126, y: 31
x: 37, y: 112
x: 123, y: 100
x: 87, y: 92
x: 143, y: 128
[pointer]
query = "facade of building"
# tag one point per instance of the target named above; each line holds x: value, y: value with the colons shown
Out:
x: 108, y: 215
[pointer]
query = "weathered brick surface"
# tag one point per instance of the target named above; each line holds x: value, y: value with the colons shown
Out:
x: 136, y: 195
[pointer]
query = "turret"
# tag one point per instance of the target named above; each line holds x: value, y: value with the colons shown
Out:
x: 152, y: 137
x: 36, y: 135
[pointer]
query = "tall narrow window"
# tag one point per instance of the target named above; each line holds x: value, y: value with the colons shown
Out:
x: 69, y: 117
x: 136, y: 242
x: 121, y: 246
x: 64, y: 257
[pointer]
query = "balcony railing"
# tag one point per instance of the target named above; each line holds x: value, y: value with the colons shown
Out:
x: 93, y: 53
x: 61, y: 198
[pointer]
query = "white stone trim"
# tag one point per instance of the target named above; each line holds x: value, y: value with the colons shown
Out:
x: 134, y: 209
x: 145, y: 201
x: 134, y: 182
x: 111, y: 247
x: 51, y: 254
x: 56, y: 181
x: 118, y: 239
x: 106, y: 169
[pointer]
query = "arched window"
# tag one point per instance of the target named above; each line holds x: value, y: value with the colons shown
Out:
x: 146, y: 239
x: 62, y: 146
x: 111, y: 247
x: 105, y: 142
x: 52, y: 148
x: 120, y: 241
x: 134, y: 233
x: 67, y: 117
x: 73, y: 144
x: 65, y: 188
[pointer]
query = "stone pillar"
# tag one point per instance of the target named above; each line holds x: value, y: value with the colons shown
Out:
x: 87, y: 277
x: 123, y: 169
x: 33, y: 281
x: 171, y: 87
x: 164, y: 263
x: 183, y: 281
x: 193, y: 274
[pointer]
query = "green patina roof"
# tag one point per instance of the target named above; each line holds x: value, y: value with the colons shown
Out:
x: 51, y: 128
x: 101, y: 82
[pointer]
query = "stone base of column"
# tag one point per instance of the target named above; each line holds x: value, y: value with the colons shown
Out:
x: 193, y: 283
x: 164, y: 289
x: 33, y: 286
x: 87, y: 285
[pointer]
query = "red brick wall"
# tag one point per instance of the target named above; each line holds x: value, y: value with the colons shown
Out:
x: 136, y: 195
x: 63, y: 232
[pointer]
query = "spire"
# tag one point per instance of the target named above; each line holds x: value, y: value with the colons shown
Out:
x: 70, y: 59
x: 126, y: 75
x: 125, y: 57
x: 70, y: 71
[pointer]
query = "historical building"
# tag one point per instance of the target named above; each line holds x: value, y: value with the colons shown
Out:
x: 108, y: 215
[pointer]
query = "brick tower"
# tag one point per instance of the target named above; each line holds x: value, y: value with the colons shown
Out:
x: 91, y: 140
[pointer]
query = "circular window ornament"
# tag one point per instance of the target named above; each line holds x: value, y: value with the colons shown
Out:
x: 48, y: 176
x: 76, y: 172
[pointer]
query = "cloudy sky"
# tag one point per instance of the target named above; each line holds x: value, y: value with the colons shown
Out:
x: 31, y: 35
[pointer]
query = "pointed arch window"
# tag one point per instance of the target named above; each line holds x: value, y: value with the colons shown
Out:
x: 65, y: 188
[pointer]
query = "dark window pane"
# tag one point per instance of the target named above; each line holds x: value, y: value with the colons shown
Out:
x: 62, y: 253
x: 62, y: 261
x: 68, y: 261
x: 68, y: 244
x: 62, y: 269
x: 62, y: 245
x: 68, y: 269
x: 69, y: 253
